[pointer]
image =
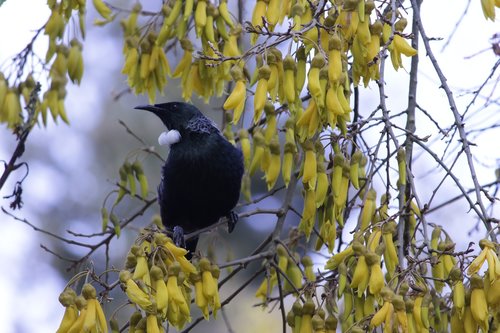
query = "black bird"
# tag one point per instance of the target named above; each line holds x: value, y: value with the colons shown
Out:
x: 201, y: 178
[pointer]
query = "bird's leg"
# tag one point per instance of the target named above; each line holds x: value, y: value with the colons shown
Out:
x: 232, y: 218
x: 178, y: 237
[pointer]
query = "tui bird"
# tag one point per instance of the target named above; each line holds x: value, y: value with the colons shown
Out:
x: 201, y: 178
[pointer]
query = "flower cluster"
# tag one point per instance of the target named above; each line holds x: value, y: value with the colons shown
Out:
x: 62, y: 60
x: 159, y: 283
x: 83, y: 313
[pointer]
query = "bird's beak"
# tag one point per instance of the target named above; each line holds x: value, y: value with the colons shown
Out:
x: 158, y: 111
x: 151, y: 108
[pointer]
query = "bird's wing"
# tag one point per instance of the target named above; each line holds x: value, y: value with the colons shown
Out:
x: 161, y: 198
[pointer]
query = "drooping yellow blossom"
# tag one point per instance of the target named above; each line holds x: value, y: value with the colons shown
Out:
x: 487, y: 254
x: 398, y: 45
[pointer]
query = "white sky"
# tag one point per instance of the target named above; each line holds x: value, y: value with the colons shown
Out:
x: 29, y: 289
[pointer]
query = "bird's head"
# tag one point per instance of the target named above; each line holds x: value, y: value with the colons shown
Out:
x: 175, y: 115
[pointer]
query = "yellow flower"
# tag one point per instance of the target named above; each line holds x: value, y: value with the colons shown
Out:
x: 134, y: 293
x: 267, y: 285
x: 487, y: 254
x: 399, y: 45
x: 67, y: 299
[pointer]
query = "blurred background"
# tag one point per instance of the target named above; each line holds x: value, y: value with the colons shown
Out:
x: 72, y: 168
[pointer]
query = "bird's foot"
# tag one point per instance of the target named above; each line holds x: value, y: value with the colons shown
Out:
x: 178, y: 237
x: 232, y: 218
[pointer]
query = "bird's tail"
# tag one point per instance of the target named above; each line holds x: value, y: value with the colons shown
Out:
x: 191, y: 246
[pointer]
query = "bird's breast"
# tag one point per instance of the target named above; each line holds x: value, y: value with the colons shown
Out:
x: 201, y: 182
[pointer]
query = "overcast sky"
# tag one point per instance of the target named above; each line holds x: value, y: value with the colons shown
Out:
x: 35, y: 304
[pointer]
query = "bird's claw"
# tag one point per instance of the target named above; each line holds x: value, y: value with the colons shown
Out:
x: 178, y: 237
x: 232, y: 218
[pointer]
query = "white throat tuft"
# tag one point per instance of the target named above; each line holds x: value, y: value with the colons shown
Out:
x: 169, y: 138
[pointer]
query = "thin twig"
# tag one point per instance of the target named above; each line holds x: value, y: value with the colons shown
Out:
x: 404, y: 225
x: 455, y: 28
